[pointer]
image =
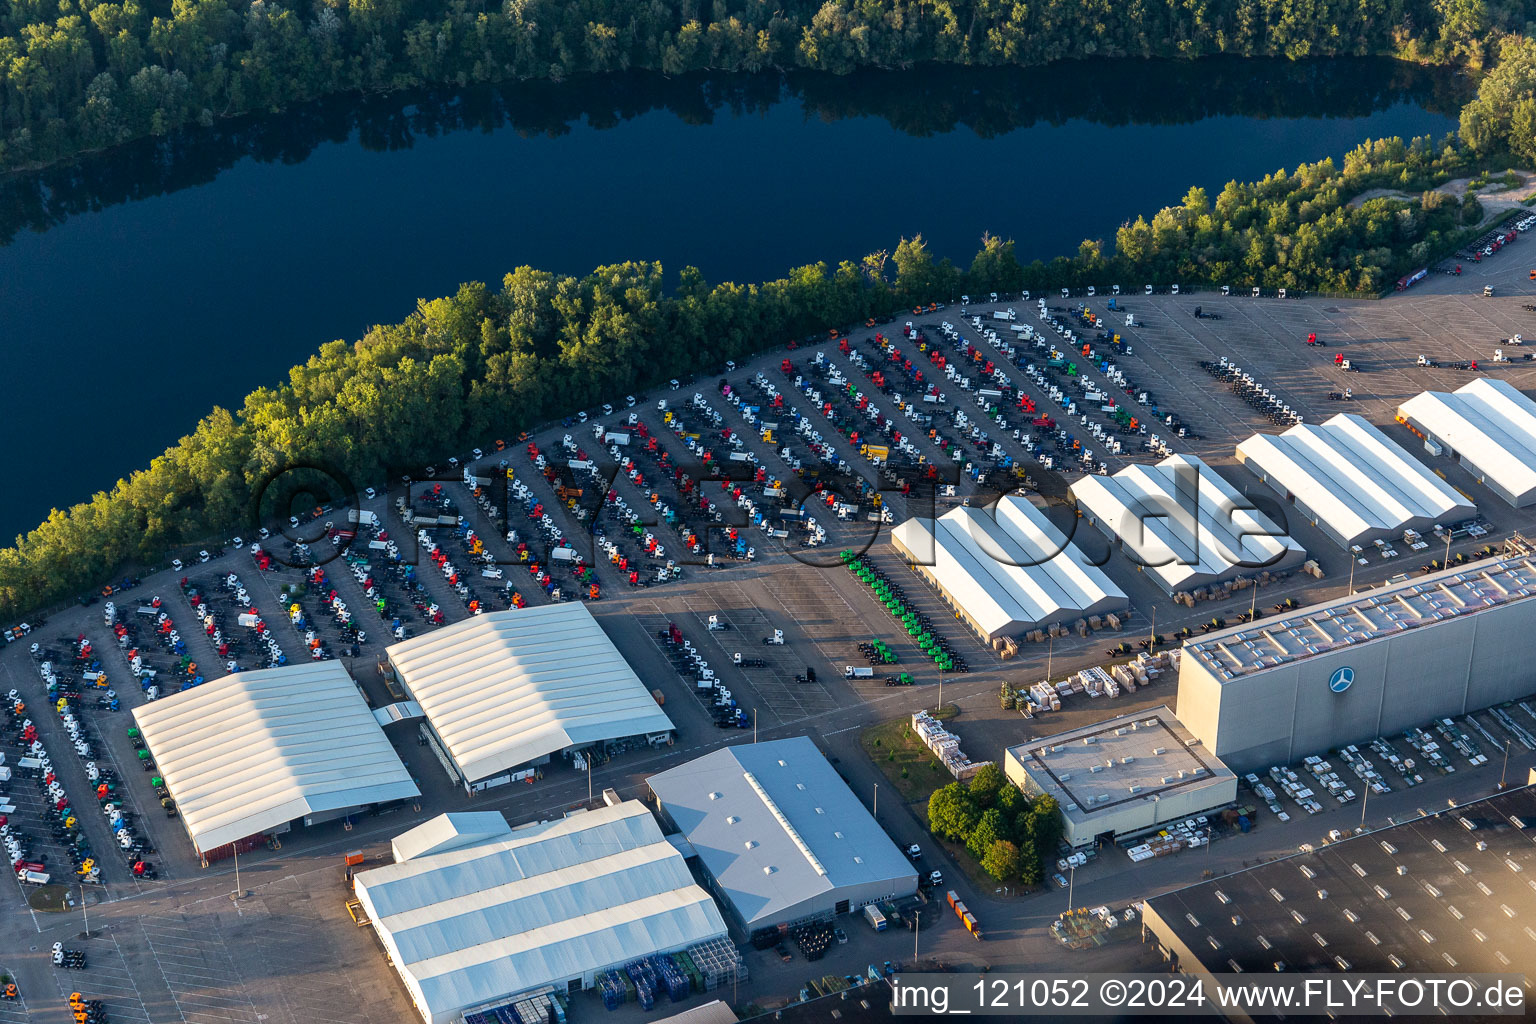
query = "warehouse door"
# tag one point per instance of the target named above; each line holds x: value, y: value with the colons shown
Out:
x: 841, y: 907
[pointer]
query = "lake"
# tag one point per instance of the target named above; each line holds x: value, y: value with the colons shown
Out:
x: 141, y: 287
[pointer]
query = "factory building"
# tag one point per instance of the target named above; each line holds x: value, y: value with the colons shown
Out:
x: 1444, y: 893
x: 505, y: 692
x: 1354, y: 668
x: 1352, y: 482
x: 1123, y: 776
x: 1184, y: 524
x: 779, y: 835
x: 1489, y: 426
x: 1005, y: 569
x: 475, y: 914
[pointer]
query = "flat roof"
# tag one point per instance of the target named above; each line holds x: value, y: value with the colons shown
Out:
x: 776, y: 825
x: 1454, y: 906
x: 1367, y: 616
x: 1353, y: 477
x: 536, y: 905
x: 1184, y: 522
x: 1489, y: 423
x: 1007, y: 565
x: 1123, y: 760
x: 254, y: 750
x: 506, y: 688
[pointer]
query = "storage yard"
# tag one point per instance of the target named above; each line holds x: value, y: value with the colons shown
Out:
x: 715, y: 573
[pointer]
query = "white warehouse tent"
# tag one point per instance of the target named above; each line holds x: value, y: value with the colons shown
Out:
x: 250, y: 752
x: 1006, y: 568
x: 1352, y: 481
x: 1489, y: 426
x: 1184, y: 523
x: 509, y: 689
x: 550, y: 903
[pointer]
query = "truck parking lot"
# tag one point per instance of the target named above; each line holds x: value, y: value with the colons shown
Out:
x: 713, y: 520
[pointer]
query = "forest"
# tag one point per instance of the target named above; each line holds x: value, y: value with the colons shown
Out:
x: 1008, y: 835
x: 489, y: 361
x: 83, y: 75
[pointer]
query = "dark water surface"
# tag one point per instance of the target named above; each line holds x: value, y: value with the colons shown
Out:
x: 140, y: 288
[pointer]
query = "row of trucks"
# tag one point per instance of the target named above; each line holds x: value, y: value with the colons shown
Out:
x: 963, y: 913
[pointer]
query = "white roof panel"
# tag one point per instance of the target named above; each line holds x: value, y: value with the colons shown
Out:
x: 1353, y: 477
x: 1185, y: 523
x: 506, y: 688
x: 1007, y: 565
x: 254, y: 750
x: 449, y: 832
x: 537, y: 905
x: 1489, y: 423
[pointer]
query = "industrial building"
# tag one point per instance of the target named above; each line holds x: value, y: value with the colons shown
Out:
x: 1489, y: 426
x: 257, y: 752
x: 503, y: 693
x: 1353, y: 482
x: 1123, y: 776
x: 1437, y: 894
x: 1184, y: 524
x: 1362, y: 666
x: 1005, y: 569
x: 779, y: 835
x: 474, y: 915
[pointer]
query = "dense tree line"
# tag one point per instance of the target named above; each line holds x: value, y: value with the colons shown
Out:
x: 78, y: 75
x: 486, y: 362
x: 1299, y: 230
x: 1010, y: 836
x: 1502, y: 119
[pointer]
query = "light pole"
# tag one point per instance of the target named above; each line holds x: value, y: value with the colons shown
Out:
x: 941, y: 693
x: 1505, y: 773
x: 84, y: 912
x: 1364, y: 801
x: 588, y: 759
x: 236, y: 894
x: 876, y: 810
x: 917, y: 927
x: 754, y: 725
x: 1071, y: 881
x: 1446, y: 562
